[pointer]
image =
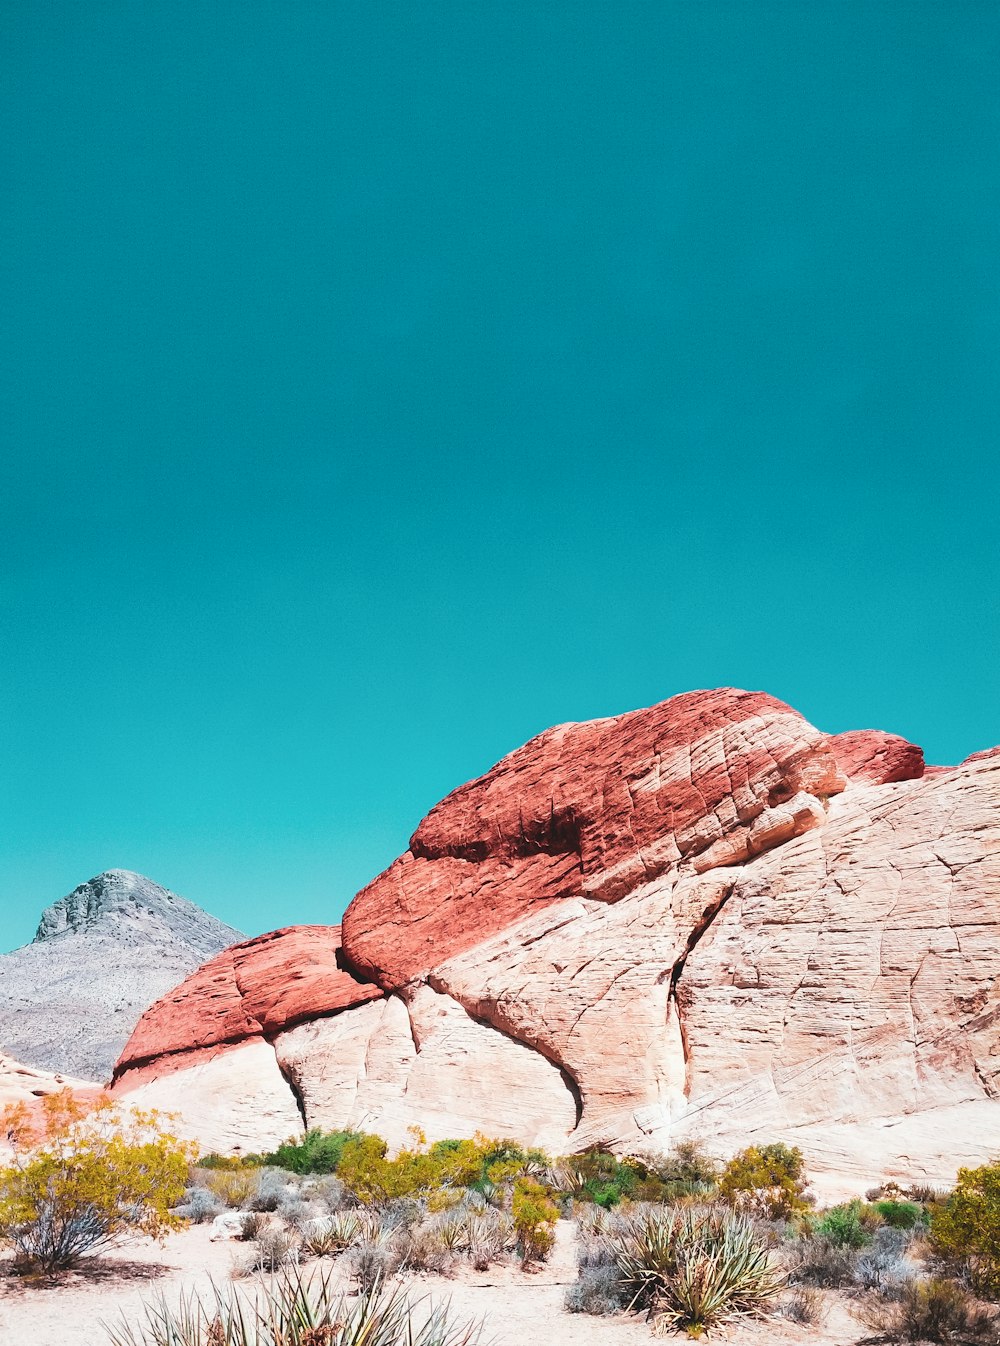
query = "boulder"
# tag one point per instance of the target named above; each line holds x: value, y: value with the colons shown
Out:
x: 703, y: 920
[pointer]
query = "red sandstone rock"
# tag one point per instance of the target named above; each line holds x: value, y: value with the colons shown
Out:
x: 982, y: 756
x: 871, y: 755
x: 631, y: 931
x: 705, y: 779
x: 252, y: 990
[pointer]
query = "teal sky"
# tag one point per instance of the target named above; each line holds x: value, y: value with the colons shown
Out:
x: 383, y: 383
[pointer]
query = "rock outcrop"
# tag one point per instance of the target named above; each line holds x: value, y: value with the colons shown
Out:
x: 102, y: 955
x: 703, y: 919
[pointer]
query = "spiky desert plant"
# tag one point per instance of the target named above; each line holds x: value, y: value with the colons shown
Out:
x: 692, y: 1269
x: 295, y: 1311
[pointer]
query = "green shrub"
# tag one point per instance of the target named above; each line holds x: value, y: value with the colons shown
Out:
x: 317, y: 1152
x: 843, y: 1227
x: 601, y: 1177
x: 767, y: 1181
x: 900, y: 1214
x: 967, y: 1227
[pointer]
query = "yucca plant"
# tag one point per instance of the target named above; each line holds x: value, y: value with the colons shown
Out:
x: 331, y: 1234
x: 694, y: 1269
x: 295, y: 1311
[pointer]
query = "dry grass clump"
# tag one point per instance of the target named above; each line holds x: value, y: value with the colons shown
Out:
x: 803, y: 1304
x: 932, y: 1310
x: 271, y: 1249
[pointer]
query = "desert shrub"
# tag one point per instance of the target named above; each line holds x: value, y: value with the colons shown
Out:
x: 601, y: 1177
x: 296, y: 1212
x: 433, y: 1245
x: 234, y: 1187
x: 768, y: 1181
x: 967, y: 1227
x: 271, y: 1190
x: 316, y: 1152
x: 924, y: 1194
x: 375, y: 1261
x: 253, y: 1225
x: 199, y: 1205
x: 81, y: 1179
x: 803, y: 1304
x: 295, y: 1312
x: 374, y: 1179
x: 329, y: 1191
x: 233, y: 1161
x: 884, y: 1264
x: 270, y: 1251
x: 933, y: 1310
x: 535, y: 1216
x: 692, y: 1269
x: 818, y: 1262
x: 597, y: 1290
x: 491, y: 1236
x: 842, y: 1226
x: 900, y: 1214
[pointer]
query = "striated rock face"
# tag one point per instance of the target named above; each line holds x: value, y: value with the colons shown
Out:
x: 870, y: 755
x: 705, y: 919
x: 102, y: 955
x: 251, y: 990
x: 594, y: 810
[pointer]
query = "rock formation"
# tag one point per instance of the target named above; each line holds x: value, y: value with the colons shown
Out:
x: 703, y: 919
x: 70, y: 999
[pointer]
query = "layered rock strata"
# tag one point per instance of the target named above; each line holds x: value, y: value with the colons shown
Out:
x: 703, y: 919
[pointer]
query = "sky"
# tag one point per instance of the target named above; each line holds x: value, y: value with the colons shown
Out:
x: 384, y: 383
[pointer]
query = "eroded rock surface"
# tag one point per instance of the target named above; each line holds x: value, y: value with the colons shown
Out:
x: 594, y: 810
x: 706, y: 919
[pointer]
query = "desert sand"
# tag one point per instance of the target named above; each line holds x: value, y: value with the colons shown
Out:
x: 515, y: 1306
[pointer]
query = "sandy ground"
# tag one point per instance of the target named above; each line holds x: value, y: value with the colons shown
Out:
x: 516, y: 1307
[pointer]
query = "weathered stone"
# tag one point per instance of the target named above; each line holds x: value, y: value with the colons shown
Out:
x: 595, y: 810
x: 879, y: 758
x: 252, y: 990
x: 705, y: 920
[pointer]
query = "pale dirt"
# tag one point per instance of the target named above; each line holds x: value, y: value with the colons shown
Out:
x: 518, y: 1308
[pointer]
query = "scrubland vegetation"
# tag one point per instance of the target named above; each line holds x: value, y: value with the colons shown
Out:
x: 685, y: 1242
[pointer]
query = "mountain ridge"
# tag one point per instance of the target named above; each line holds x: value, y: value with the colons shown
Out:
x: 100, y: 956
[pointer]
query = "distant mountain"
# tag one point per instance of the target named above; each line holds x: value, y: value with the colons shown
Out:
x: 102, y: 955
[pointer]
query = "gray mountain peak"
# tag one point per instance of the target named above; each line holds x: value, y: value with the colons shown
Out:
x: 70, y: 999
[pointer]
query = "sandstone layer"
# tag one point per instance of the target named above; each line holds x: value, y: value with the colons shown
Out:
x: 704, y: 919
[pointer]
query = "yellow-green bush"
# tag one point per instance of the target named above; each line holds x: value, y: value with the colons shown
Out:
x: 967, y: 1226
x: 234, y: 1185
x: 373, y: 1178
x: 768, y: 1181
x: 535, y: 1216
x: 85, y: 1176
